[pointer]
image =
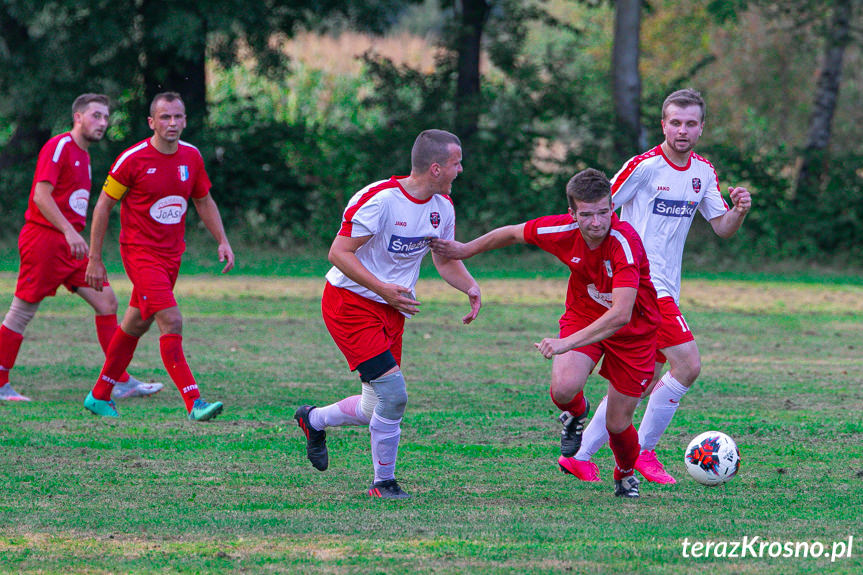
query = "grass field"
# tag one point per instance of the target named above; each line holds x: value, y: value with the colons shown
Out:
x: 154, y: 493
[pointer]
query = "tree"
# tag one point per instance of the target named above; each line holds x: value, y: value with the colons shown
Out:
x: 814, y: 155
x: 630, y: 136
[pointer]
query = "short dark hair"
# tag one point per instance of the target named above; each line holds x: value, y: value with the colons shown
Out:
x: 684, y: 98
x: 430, y: 147
x: 587, y: 186
x: 168, y: 97
x: 81, y: 102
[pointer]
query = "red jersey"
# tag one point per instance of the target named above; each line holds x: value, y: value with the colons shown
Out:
x: 155, y: 189
x: 619, y: 261
x: 66, y: 167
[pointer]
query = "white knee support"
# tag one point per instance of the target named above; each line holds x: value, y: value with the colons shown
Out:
x: 392, y: 395
x: 368, y: 401
x: 20, y: 315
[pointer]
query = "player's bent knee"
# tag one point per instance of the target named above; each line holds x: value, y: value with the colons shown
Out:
x: 392, y: 395
x: 20, y: 314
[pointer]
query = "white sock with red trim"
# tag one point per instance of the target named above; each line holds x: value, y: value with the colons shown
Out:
x: 385, y: 446
x: 664, y: 401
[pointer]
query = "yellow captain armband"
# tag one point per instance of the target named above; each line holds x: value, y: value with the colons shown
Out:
x: 114, y: 188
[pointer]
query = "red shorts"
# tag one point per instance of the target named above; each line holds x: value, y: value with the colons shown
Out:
x: 46, y: 264
x: 628, y: 361
x: 672, y: 328
x: 362, y: 328
x: 153, y: 277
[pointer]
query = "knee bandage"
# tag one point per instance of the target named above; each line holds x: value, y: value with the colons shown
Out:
x: 392, y: 395
x: 20, y: 315
x: 369, y: 400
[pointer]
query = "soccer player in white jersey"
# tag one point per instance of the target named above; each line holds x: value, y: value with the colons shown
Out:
x: 658, y: 193
x: 369, y: 292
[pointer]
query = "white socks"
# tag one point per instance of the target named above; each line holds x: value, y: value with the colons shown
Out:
x: 595, y: 434
x: 660, y: 409
x: 385, y: 446
x: 345, y: 412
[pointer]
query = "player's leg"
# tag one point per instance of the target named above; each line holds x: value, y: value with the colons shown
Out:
x: 623, y: 440
x: 104, y: 304
x: 676, y: 344
x: 628, y: 365
x: 569, y: 372
x: 385, y: 428
x: 17, y: 319
x: 170, y: 322
x: 117, y: 358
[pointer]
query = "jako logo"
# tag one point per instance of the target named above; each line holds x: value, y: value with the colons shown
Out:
x: 169, y: 210
x: 663, y: 189
x: 401, y: 245
x: 402, y: 224
x: 675, y: 208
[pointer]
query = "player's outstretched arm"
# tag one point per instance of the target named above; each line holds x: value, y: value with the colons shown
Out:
x: 497, y: 238
x: 48, y: 207
x: 727, y: 224
x: 455, y: 274
x: 209, y: 212
x: 606, y: 325
x: 96, y: 275
x: 343, y: 256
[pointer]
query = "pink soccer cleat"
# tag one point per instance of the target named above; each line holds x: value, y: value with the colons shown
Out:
x: 649, y: 466
x: 584, y: 470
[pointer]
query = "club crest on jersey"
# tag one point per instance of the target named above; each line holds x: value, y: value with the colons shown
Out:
x: 183, y: 172
x: 434, y: 218
x: 608, y: 268
x: 696, y: 185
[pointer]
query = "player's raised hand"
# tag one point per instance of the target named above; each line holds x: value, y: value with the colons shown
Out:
x: 741, y: 199
x: 400, y: 298
x: 475, y: 298
x: 226, y: 254
x: 549, y: 347
x: 450, y: 249
x: 77, y: 244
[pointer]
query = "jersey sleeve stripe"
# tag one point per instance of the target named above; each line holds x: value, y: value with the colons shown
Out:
x: 630, y: 167
x: 556, y: 229
x: 61, y: 143
x: 624, y: 243
x: 125, y: 155
x: 351, y: 210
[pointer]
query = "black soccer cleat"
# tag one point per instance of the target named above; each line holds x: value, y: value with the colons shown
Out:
x: 626, y: 487
x: 316, y: 441
x: 573, y: 428
x: 388, y: 489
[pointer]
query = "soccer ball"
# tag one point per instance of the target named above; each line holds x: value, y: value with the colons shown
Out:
x: 712, y: 458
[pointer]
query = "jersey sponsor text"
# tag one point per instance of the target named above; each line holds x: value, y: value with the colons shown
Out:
x: 402, y: 245
x: 674, y: 208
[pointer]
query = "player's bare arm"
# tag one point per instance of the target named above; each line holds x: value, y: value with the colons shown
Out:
x: 45, y: 202
x: 96, y: 275
x: 497, y: 238
x: 727, y: 224
x: 343, y: 256
x: 455, y: 274
x: 606, y: 325
x: 209, y: 212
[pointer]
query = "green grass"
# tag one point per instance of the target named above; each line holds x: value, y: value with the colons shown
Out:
x: 154, y: 493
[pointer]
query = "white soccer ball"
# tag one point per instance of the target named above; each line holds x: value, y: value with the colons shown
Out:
x: 712, y: 458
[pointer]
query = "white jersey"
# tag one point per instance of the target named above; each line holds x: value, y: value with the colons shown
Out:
x: 659, y: 200
x: 400, y: 226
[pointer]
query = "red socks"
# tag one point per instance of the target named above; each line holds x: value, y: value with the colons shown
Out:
x: 625, y: 447
x: 575, y: 406
x: 171, y: 346
x: 106, y: 325
x: 117, y: 359
x: 10, y: 343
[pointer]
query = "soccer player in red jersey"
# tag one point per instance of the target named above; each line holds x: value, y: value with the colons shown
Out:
x: 611, y: 311
x: 369, y: 292
x: 52, y: 251
x: 154, y: 180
